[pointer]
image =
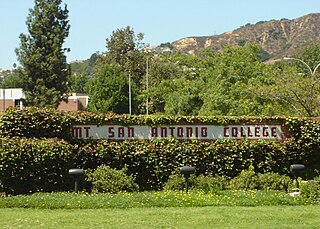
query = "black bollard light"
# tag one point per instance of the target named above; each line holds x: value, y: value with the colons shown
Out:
x: 297, y: 170
x: 187, y: 171
x: 76, y: 174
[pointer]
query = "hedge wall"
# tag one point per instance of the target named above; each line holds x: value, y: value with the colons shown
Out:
x: 37, y: 149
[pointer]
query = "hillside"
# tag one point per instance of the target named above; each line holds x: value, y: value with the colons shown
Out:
x: 277, y: 37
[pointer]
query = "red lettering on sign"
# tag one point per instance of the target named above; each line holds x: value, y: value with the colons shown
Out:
x: 257, y: 132
x: 204, y: 132
x: 77, y: 132
x: 111, y: 132
x: 189, y: 132
x: 171, y: 131
x: 130, y: 132
x: 274, y: 132
x: 242, y: 133
x: 87, y: 131
x: 225, y: 132
x: 265, y: 132
x: 180, y: 132
x: 234, y: 132
x: 164, y: 132
x: 121, y: 132
x: 154, y: 132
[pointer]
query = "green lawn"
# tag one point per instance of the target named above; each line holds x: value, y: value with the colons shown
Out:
x: 171, y: 217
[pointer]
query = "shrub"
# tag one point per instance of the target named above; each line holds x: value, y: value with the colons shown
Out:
x: 177, y: 182
x: 105, y: 179
x: 246, y: 180
x: 207, y: 183
x: 310, y: 189
x: 249, y: 180
x: 273, y: 181
x: 211, y: 183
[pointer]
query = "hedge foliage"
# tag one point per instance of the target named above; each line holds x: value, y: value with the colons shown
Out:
x: 29, y: 164
x: 37, y: 149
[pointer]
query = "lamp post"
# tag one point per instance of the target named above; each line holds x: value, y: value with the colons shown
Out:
x: 147, y: 86
x: 311, y: 72
x: 147, y: 51
x: 129, y: 92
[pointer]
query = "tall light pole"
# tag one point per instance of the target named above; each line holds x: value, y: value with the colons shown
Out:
x: 129, y: 92
x: 147, y: 51
x: 311, y: 72
x: 147, y: 86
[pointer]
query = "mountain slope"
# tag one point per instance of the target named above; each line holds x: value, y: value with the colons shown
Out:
x: 277, y: 37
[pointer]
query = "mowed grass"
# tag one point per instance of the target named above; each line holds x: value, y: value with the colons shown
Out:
x: 161, y: 217
x: 165, y: 209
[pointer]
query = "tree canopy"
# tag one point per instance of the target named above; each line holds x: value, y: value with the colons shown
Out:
x: 108, y: 90
x: 42, y: 55
x: 234, y: 81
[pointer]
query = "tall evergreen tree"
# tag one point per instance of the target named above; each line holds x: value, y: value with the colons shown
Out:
x: 42, y: 55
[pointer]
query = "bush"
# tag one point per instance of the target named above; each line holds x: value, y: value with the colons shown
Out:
x: 208, y: 183
x: 250, y: 180
x: 211, y: 183
x: 105, y: 179
x: 310, y: 189
x: 177, y: 182
x: 247, y: 180
x: 273, y: 181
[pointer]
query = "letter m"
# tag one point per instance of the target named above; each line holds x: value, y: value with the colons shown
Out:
x: 77, y: 132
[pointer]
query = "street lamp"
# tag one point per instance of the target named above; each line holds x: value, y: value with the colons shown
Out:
x: 147, y: 51
x: 312, y: 72
x: 147, y: 85
x: 129, y: 92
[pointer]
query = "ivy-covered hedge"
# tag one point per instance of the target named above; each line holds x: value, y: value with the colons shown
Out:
x: 35, y: 123
x: 37, y: 149
x: 50, y: 123
x: 29, y: 165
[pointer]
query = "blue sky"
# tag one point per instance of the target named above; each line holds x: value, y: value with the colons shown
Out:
x: 92, y: 21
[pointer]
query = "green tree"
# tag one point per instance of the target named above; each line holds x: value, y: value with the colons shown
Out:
x: 11, y: 78
x: 228, y: 82
x: 174, y: 83
x: 108, y: 90
x: 85, y: 67
x: 124, y: 49
x: 161, y: 72
x: 184, y: 97
x: 310, y: 54
x: 295, y: 84
x: 77, y: 82
x: 42, y: 55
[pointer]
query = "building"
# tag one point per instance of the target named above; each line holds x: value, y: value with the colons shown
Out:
x: 14, y: 97
x: 74, y: 102
x: 11, y: 97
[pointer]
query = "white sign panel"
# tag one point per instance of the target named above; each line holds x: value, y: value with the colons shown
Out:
x: 183, y: 132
